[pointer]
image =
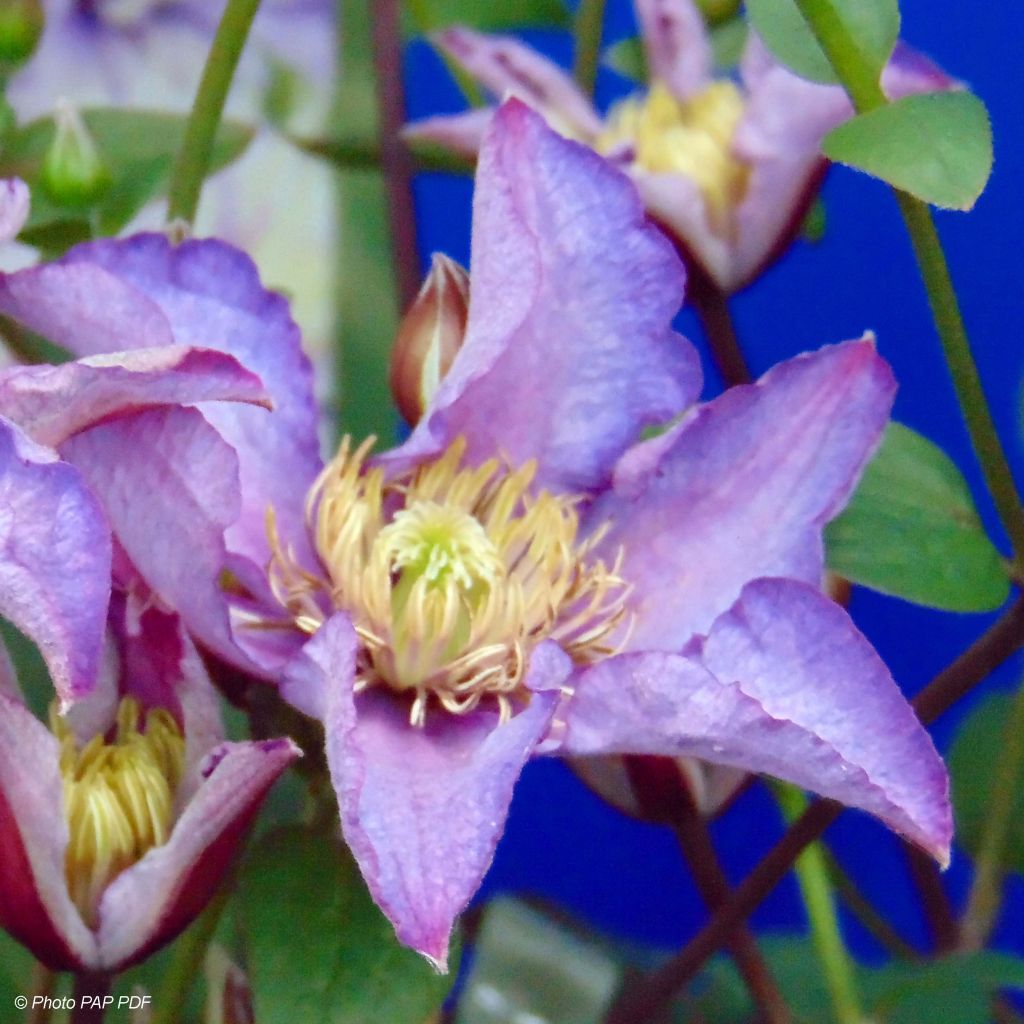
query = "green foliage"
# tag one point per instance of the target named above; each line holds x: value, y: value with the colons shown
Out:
x: 873, y: 24
x: 428, y: 15
x: 937, y: 146
x: 972, y: 764
x: 319, y: 951
x: 15, y: 971
x: 138, y: 150
x: 728, y: 40
x: 911, y: 530
x: 628, y: 58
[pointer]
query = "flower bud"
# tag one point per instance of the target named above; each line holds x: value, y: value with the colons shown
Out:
x: 429, y: 336
x: 73, y: 174
x: 21, y: 25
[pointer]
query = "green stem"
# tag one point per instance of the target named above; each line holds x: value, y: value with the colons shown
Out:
x: 588, y: 29
x: 43, y: 983
x: 193, y: 160
x: 812, y: 875
x: 985, y: 896
x: 187, y: 960
x: 858, y: 76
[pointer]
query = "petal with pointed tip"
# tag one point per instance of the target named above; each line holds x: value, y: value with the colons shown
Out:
x: 677, y: 44
x: 785, y: 685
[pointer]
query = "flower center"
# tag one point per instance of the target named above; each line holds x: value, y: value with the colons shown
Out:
x: 451, y: 576
x: 666, y: 135
x: 118, y: 797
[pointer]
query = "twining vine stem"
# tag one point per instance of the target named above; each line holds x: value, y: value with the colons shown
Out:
x: 193, y: 160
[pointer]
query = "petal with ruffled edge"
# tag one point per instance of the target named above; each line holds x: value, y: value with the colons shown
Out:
x: 780, y: 137
x: 744, y: 489
x: 14, y: 207
x: 168, y: 483
x: 568, y: 350
x: 783, y: 684
x: 506, y: 67
x: 50, y: 403
x: 54, y: 560
x: 677, y: 44
x: 151, y: 902
x: 137, y: 292
x: 34, y: 903
x: 422, y: 808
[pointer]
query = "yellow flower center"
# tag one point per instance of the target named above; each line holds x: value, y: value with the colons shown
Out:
x: 691, y: 137
x: 451, y: 575
x: 118, y: 797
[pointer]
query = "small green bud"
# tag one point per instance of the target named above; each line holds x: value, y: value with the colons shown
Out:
x: 73, y: 173
x: 21, y: 25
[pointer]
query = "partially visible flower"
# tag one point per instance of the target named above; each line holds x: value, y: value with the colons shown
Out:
x: 429, y: 336
x: 728, y: 168
x: 523, y: 576
x: 14, y: 207
x: 149, y: 54
x: 118, y: 822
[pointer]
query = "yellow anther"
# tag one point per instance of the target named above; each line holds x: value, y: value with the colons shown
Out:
x: 451, y: 575
x: 118, y: 797
x: 692, y: 138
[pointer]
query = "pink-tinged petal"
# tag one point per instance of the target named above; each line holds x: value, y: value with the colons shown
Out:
x: 568, y: 350
x: 422, y: 808
x: 677, y: 44
x: 676, y: 202
x: 780, y: 137
x: 14, y: 207
x: 34, y: 903
x: 506, y: 67
x: 785, y: 685
x: 745, y: 490
x: 169, y: 486
x: 142, y: 291
x: 54, y: 560
x: 50, y: 403
x: 151, y: 902
x: 463, y: 134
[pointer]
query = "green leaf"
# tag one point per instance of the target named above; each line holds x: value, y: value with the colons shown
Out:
x: 937, y: 146
x: 428, y: 15
x: 318, y: 950
x: 138, y: 148
x: 911, y: 530
x: 873, y: 24
x: 628, y: 58
x: 728, y: 41
x: 972, y: 764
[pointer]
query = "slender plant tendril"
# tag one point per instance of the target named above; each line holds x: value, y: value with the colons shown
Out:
x: 857, y: 76
x: 816, y: 889
x: 712, y: 308
x: 643, y: 1001
x: 193, y: 161
x: 587, y: 31
x: 395, y: 160
x: 938, y: 911
x: 983, y: 902
x: 88, y: 993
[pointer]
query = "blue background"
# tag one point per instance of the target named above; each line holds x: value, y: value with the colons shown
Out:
x: 625, y: 877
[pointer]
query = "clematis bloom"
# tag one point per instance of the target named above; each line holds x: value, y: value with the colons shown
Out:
x: 729, y: 168
x: 119, y: 821
x: 524, y: 575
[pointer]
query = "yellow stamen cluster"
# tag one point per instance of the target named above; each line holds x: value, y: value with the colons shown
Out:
x: 118, y: 797
x: 451, y: 576
x: 691, y: 137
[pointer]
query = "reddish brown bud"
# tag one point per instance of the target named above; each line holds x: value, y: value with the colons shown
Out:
x: 429, y: 336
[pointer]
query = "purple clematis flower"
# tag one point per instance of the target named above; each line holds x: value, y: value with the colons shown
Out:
x: 728, y: 168
x: 91, y: 877
x: 522, y: 576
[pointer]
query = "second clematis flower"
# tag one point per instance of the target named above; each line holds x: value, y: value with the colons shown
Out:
x: 728, y: 167
x: 524, y: 575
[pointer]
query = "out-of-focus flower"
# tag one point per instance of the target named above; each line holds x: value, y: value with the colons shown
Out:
x: 149, y: 54
x: 119, y: 821
x: 522, y: 576
x: 728, y: 168
x: 429, y: 336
